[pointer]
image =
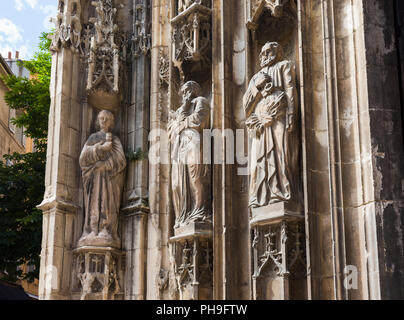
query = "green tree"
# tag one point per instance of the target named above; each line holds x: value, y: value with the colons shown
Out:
x: 22, y: 175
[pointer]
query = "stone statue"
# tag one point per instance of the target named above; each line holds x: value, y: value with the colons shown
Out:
x: 270, y: 105
x: 190, y: 177
x: 103, y: 164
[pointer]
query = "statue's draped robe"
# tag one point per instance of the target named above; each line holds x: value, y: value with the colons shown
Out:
x: 190, y: 176
x: 269, y: 156
x: 102, y: 186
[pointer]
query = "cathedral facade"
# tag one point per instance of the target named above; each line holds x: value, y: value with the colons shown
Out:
x: 225, y: 149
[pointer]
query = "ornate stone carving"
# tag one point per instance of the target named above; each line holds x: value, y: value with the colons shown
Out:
x: 270, y: 105
x: 96, y: 274
x: 258, y: 7
x: 193, y: 266
x: 68, y: 27
x: 190, y: 177
x: 268, y: 243
x: 183, y: 5
x: 103, y: 63
x: 164, y: 68
x: 163, y: 280
x: 192, y: 36
x: 103, y: 164
x: 141, y: 39
x: 278, y: 256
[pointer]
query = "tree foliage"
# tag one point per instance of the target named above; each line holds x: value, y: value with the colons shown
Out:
x: 22, y: 175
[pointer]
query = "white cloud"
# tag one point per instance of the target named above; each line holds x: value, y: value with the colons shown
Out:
x: 10, y: 30
x: 11, y: 40
x: 18, y: 5
x: 50, y: 12
x: 32, y: 3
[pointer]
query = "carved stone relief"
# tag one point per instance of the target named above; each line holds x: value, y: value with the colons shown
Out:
x: 103, y: 164
x: 96, y: 274
x: 270, y: 105
x: 190, y: 178
x: 68, y: 27
x: 103, y: 68
x: 278, y: 256
x: 192, y: 37
x: 258, y: 7
x: 193, y: 268
x: 164, y: 68
x: 141, y: 39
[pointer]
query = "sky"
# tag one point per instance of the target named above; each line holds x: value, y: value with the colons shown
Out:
x: 21, y: 24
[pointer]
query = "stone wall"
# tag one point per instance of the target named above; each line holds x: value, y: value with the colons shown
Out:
x: 340, y: 76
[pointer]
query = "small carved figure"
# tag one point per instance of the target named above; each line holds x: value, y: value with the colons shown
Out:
x: 103, y: 163
x: 270, y: 107
x: 190, y: 178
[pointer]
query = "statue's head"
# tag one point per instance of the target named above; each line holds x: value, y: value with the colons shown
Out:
x: 190, y: 90
x: 105, y: 121
x: 271, y: 53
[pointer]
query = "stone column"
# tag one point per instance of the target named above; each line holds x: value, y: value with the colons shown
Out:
x: 346, y: 149
x: 61, y: 200
x: 136, y: 206
x: 157, y: 279
x: 231, y: 232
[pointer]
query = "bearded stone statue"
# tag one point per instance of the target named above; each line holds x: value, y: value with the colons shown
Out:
x: 270, y: 105
x: 189, y: 176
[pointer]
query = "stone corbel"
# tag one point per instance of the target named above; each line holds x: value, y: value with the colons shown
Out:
x: 97, y: 274
x: 192, y: 263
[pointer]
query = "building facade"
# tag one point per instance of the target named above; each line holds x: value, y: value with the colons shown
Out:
x: 12, y: 138
x: 226, y: 149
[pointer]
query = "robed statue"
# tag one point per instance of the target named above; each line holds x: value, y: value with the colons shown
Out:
x: 189, y: 176
x: 270, y: 106
x: 103, y: 164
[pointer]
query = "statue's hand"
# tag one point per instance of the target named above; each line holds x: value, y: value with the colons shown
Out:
x: 105, y: 147
x: 261, y: 80
x: 100, y: 165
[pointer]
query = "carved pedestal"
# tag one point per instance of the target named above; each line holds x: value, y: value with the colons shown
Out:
x: 192, y: 256
x: 97, y: 274
x: 278, y: 251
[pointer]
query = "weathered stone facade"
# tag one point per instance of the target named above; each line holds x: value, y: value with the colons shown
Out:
x: 274, y: 135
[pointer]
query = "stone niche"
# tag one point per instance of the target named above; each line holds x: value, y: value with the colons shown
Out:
x: 277, y: 224
x: 190, y: 240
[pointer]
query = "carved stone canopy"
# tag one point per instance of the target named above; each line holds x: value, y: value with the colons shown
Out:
x: 276, y: 7
x: 103, y: 61
x: 192, y: 38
